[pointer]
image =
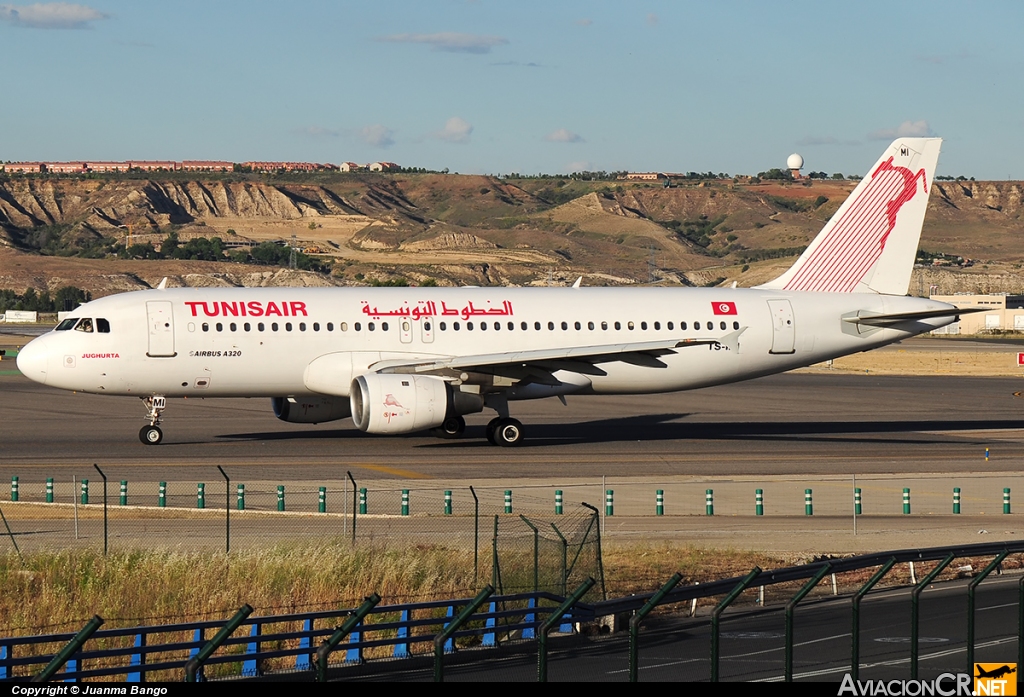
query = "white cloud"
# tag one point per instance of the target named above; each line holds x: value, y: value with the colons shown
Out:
x: 378, y: 136
x: 452, y: 42
x: 584, y: 22
x: 907, y: 129
x: 563, y: 135
x: 455, y: 130
x: 50, y: 15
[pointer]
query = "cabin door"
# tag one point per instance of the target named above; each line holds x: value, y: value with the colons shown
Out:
x: 161, y: 329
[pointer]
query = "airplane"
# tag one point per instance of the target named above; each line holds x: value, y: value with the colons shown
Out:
x: 402, y: 360
x: 995, y: 672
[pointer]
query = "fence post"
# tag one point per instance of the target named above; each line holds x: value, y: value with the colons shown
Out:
x: 251, y: 666
x: 956, y: 500
x: 227, y: 509
x: 808, y: 502
x: 123, y: 498
x: 362, y: 500
x: 558, y: 502
x: 709, y: 502
x: 635, y: 620
x: 321, y: 506
x: 791, y: 608
x: 14, y: 488
x: 1006, y: 500
x: 536, y: 552
x: 138, y: 659
x: 971, y: 587
x: 855, y: 651
x: 609, y: 502
x: 241, y: 497
x: 447, y: 502
x: 405, y: 502
x: 324, y: 652
x: 758, y: 502
x: 70, y: 650
x: 659, y: 502
x: 906, y: 500
x: 508, y: 500
x: 85, y: 492
x: 716, y: 615
x: 161, y: 500
x: 857, y: 510
x: 553, y: 619
x: 104, y: 476
x: 201, y: 495
x: 280, y: 497
x: 197, y: 661
x: 49, y: 490
x: 915, y: 596
x: 445, y: 634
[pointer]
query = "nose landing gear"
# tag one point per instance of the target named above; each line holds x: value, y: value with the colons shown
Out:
x: 151, y: 434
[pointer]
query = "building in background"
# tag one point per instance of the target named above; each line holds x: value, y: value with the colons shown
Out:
x: 1003, y: 313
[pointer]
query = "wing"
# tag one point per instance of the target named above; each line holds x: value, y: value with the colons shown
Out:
x: 538, y: 365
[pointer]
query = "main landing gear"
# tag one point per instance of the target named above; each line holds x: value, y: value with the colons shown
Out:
x: 505, y: 431
x: 151, y: 434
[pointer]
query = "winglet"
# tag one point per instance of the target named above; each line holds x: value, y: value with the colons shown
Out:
x: 163, y: 284
x: 578, y: 282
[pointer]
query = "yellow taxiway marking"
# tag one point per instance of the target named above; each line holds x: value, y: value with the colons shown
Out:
x: 394, y: 471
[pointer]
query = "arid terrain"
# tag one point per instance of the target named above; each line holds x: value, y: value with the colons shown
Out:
x: 467, y: 229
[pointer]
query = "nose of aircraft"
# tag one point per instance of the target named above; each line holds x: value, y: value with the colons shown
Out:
x: 32, y: 361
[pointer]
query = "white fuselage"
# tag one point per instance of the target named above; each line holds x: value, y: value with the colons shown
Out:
x: 259, y: 342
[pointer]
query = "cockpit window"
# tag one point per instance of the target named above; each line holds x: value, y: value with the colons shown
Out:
x: 66, y: 324
x: 84, y: 326
x: 102, y: 325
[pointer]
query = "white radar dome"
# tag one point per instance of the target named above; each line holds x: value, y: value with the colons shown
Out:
x: 794, y: 161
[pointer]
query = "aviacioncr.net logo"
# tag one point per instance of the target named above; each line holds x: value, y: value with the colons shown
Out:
x: 946, y: 685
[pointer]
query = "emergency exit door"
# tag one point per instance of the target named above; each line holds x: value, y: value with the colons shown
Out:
x: 161, y: 329
x: 783, y: 327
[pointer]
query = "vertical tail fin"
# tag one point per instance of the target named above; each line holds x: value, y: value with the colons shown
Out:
x: 870, y: 244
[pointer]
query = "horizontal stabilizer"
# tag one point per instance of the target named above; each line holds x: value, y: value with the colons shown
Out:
x: 889, y: 320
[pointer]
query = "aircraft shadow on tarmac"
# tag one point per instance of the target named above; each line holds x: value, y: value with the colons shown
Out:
x: 657, y: 427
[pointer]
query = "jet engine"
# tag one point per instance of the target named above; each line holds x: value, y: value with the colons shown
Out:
x: 398, y: 403
x: 310, y: 410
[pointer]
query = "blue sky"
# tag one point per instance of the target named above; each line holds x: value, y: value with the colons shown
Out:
x: 495, y: 87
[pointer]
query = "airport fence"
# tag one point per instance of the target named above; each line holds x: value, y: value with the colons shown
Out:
x: 741, y: 635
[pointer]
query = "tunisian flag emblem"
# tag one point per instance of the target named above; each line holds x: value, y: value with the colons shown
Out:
x: 724, y: 308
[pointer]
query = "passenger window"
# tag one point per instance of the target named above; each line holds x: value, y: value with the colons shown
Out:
x: 696, y: 326
x: 330, y: 326
x: 657, y: 325
x: 497, y: 326
x: 316, y: 326
x: 578, y: 326
x: 444, y: 326
x: 261, y: 326
x: 604, y: 326
x: 247, y: 327
x: 551, y: 326
x: 383, y: 326
x: 234, y: 327
x: 469, y: 326
x: 455, y: 326
x: 643, y: 325
x: 483, y: 326
x: 220, y: 327
x: 522, y: 325
x: 302, y: 326
x: 66, y: 325
x: 426, y: 326
x: 722, y: 325
x: 102, y: 325
x: 372, y: 326
x: 287, y: 326
x: 206, y: 327
x: 512, y: 326
x: 343, y: 326
x: 670, y: 327
x: 590, y: 326
x: 682, y: 325
x: 536, y: 325
x: 711, y: 325
x: 618, y: 326
x: 735, y: 325
x: 84, y: 326
x: 630, y: 325
x: 564, y: 326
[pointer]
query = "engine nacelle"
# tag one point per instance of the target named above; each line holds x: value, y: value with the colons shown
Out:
x: 398, y: 403
x: 310, y: 410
